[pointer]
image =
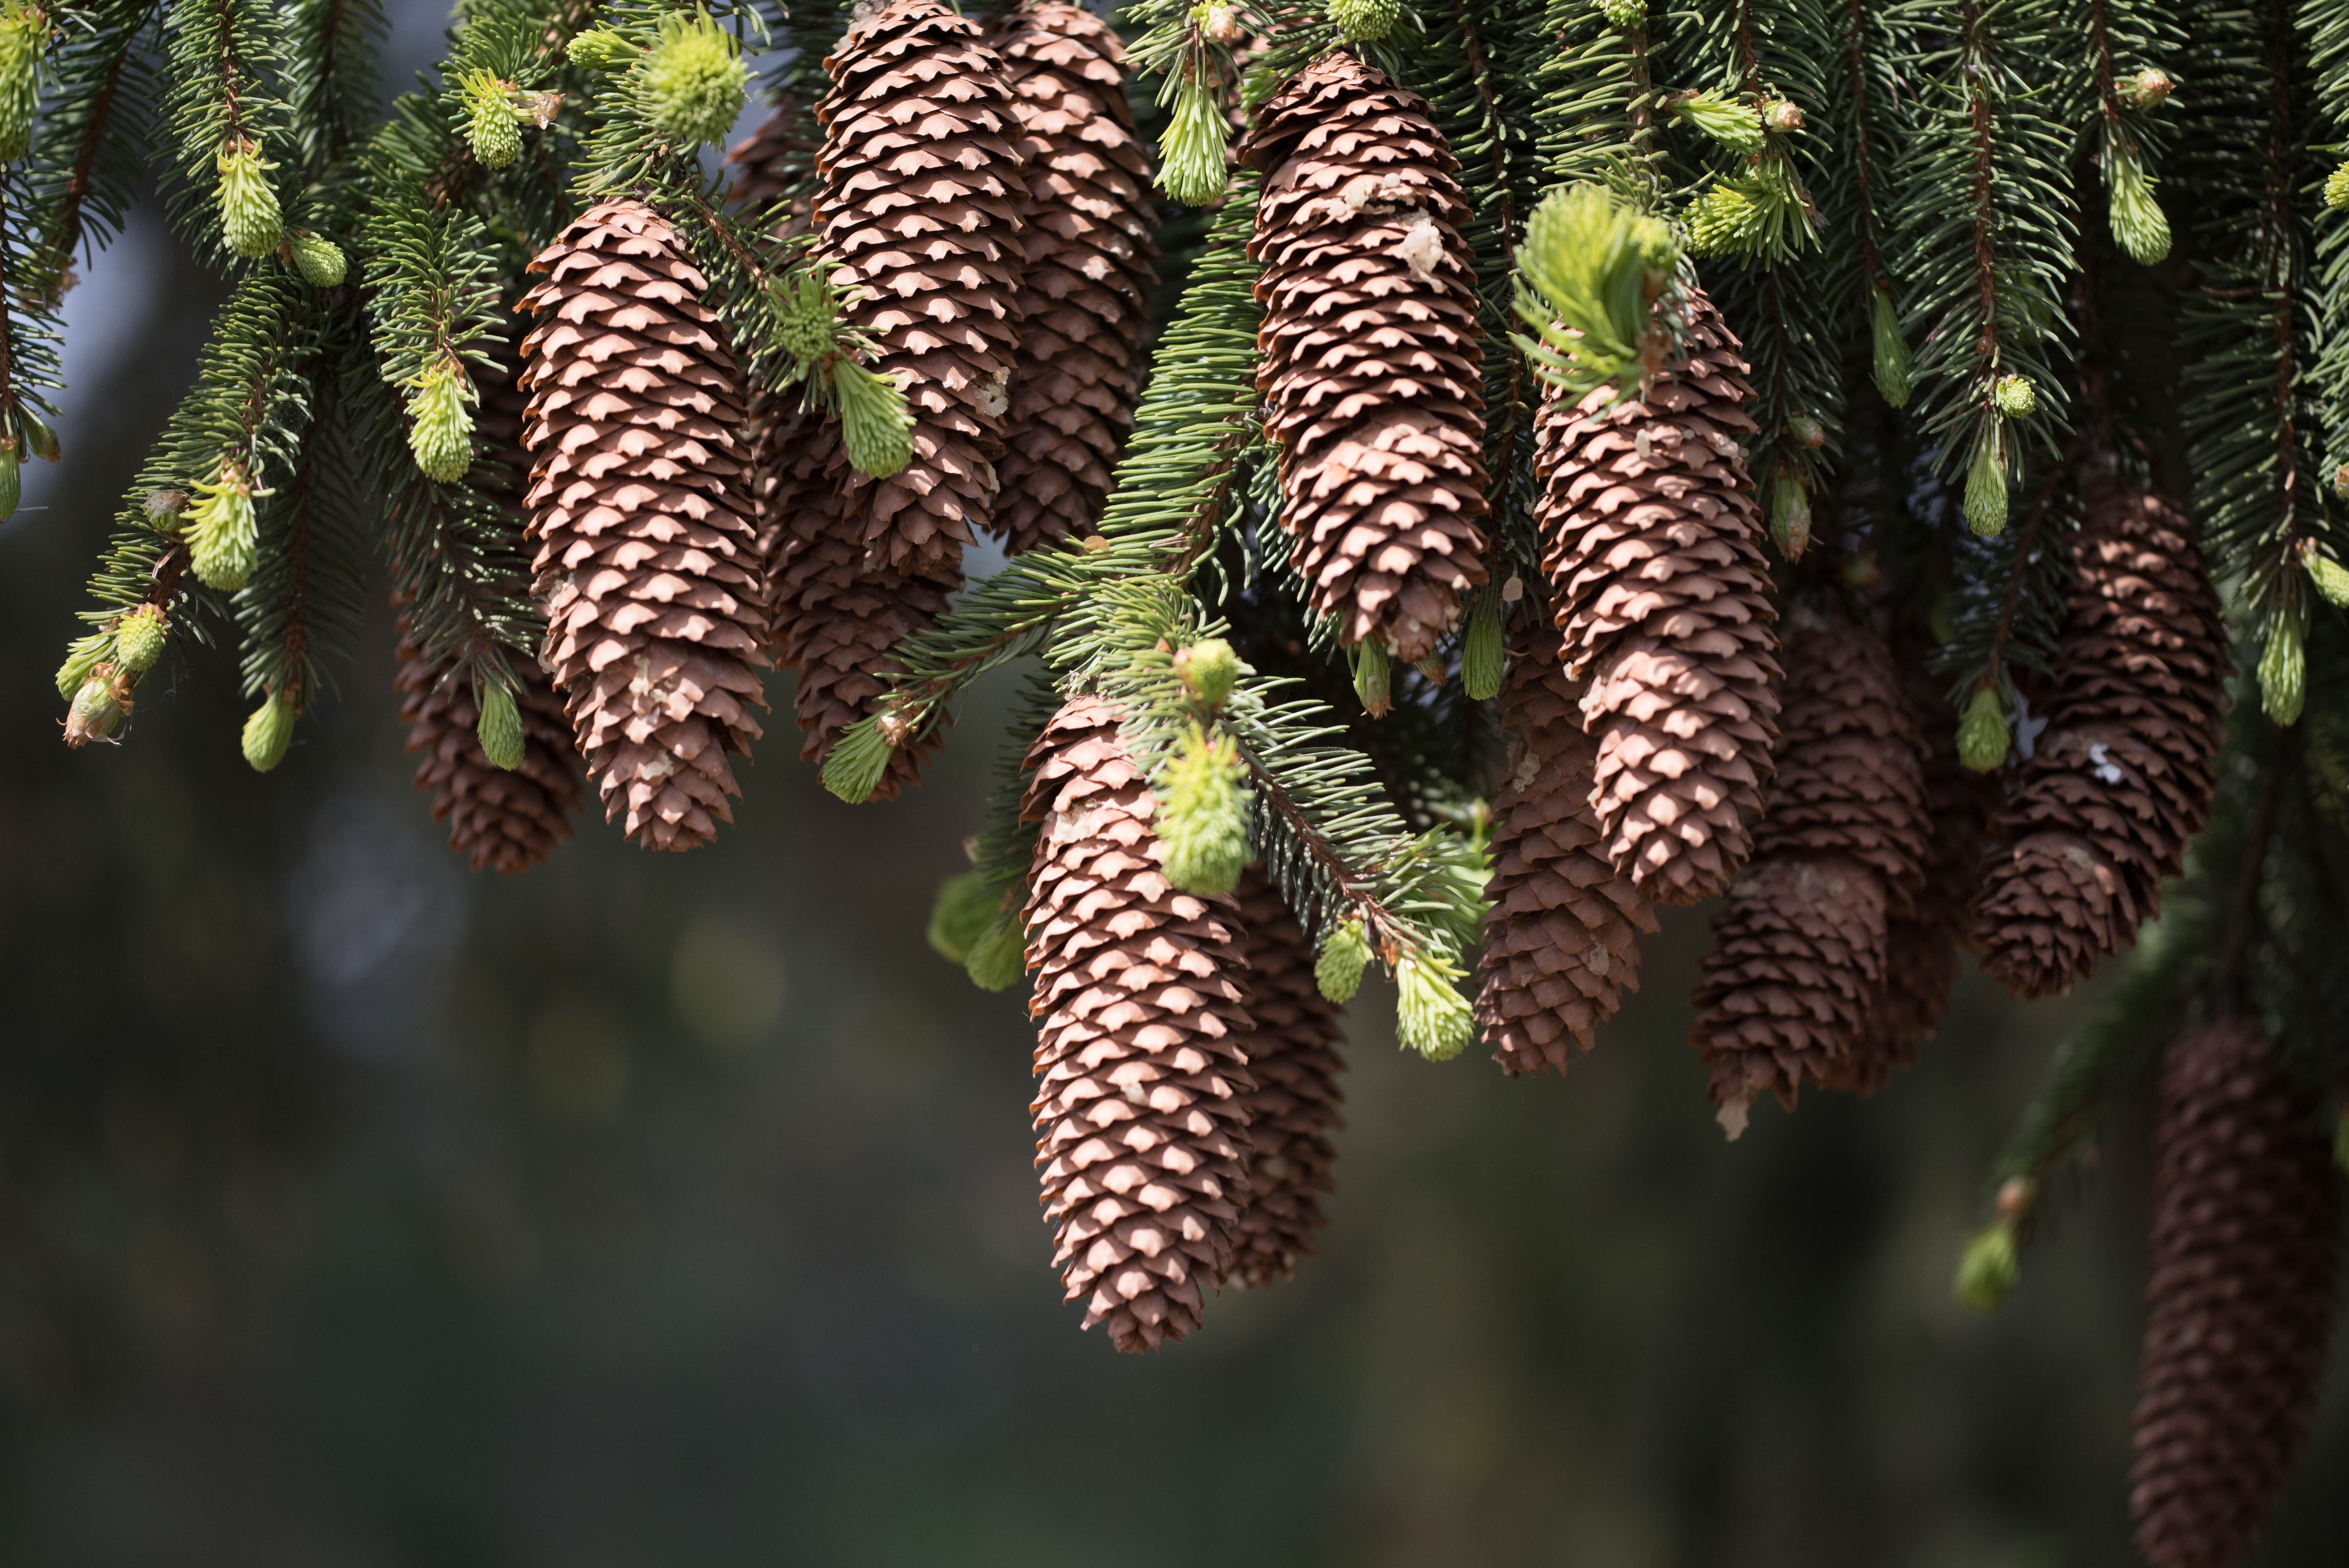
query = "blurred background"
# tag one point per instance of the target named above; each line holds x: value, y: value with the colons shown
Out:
x: 359, y: 1209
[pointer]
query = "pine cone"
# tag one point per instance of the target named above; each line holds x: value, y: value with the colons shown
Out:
x: 2121, y: 779
x: 774, y: 161
x: 1371, y: 367
x: 1561, y: 938
x: 1142, y: 1115
x: 1293, y: 1056
x: 506, y: 821
x: 2244, y: 1250
x: 646, y: 557
x: 1799, y: 951
x: 920, y: 217
x: 1652, y: 543
x: 1085, y: 294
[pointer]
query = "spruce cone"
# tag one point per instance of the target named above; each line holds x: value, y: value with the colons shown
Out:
x: 509, y: 821
x: 1371, y: 370
x: 1085, y: 291
x: 1562, y: 936
x: 1141, y: 1025
x: 647, y: 560
x: 1652, y: 543
x: 1799, y: 951
x: 1293, y: 1056
x: 2122, y: 778
x: 2246, y: 1230
x: 920, y: 217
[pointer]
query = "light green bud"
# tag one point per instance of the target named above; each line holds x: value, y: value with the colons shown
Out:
x: 493, y: 125
x: 1790, y: 514
x: 1372, y: 683
x: 223, y: 539
x: 250, y: 222
x: 83, y: 655
x: 1338, y: 971
x: 1987, y: 1271
x: 1484, y: 658
x: 603, y: 49
x: 1000, y: 955
x: 138, y: 638
x: 859, y: 758
x: 1202, y: 820
x: 1729, y: 121
x: 965, y: 908
x: 2138, y: 224
x: 2329, y: 578
x: 12, y: 481
x: 1431, y: 1016
x: 694, y: 81
x: 1894, y: 371
x: 319, y: 260
x: 2147, y: 89
x: 1365, y: 21
x: 2014, y: 397
x: 24, y: 35
x: 1208, y: 670
x: 875, y: 424
x: 2283, y: 672
x: 97, y: 709
x: 1192, y: 164
x: 2337, y: 188
x: 1981, y: 732
x: 498, y: 727
x: 1625, y: 15
x: 39, y: 440
x: 441, y: 427
x: 1724, y: 221
x: 1985, y: 502
x: 807, y: 321
x: 269, y: 733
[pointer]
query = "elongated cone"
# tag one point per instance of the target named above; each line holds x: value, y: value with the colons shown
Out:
x: 1141, y: 1037
x: 1651, y: 539
x: 1372, y: 367
x: 920, y: 215
x: 1799, y: 951
x: 1562, y: 936
x: 2244, y: 1255
x: 647, y: 560
x: 1293, y: 1056
x: 1085, y: 293
x: 2121, y: 778
x: 503, y: 820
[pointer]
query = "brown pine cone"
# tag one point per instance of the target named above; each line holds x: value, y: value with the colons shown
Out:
x: 1800, y: 950
x: 1651, y: 540
x: 2121, y: 778
x: 1085, y: 292
x: 1562, y: 935
x: 919, y: 216
x: 1371, y: 366
x: 1141, y: 1038
x: 648, y: 557
x: 1292, y: 1053
x: 2244, y: 1251
x: 500, y: 819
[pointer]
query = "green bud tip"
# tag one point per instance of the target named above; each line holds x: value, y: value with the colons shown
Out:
x: 2284, y: 673
x: 1782, y: 115
x: 441, y: 427
x: 12, y: 481
x: 2014, y: 397
x: 1431, y: 1016
x: 498, y: 729
x: 493, y: 123
x: 1588, y: 275
x: 1372, y: 685
x: 1790, y: 514
x: 2147, y: 89
x: 1208, y: 669
x: 1981, y: 732
x: 1895, y: 372
x: 1624, y: 14
x: 859, y: 758
x: 1729, y: 121
x: 250, y: 223
x: 1807, y: 432
x: 269, y: 734
x: 98, y: 707
x: 319, y: 260
x: 1985, y: 499
x: 965, y: 908
x: 222, y: 541
x: 875, y: 424
x: 1338, y: 971
x: 2329, y: 577
x: 1484, y: 658
x: 2137, y: 220
x: 601, y: 49
x: 1000, y: 954
x: 1192, y: 166
x: 24, y: 35
x: 39, y: 440
x: 83, y: 655
x: 138, y: 638
x: 2337, y: 188
x: 1726, y: 222
x: 1202, y: 820
x: 807, y: 318
x: 1365, y: 21
x: 694, y: 82
x: 1987, y: 1271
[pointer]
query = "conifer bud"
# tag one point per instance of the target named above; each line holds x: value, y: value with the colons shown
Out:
x: 23, y: 39
x: 1220, y: 24
x: 319, y: 260
x: 1203, y: 821
x: 965, y: 908
x: 164, y: 508
x: 1985, y: 503
x: 1371, y: 684
x: 1365, y: 21
x: 1625, y: 15
x: 2146, y: 89
x: 250, y: 223
x: 1338, y: 971
x: 1000, y: 955
x: 1724, y: 222
x: 2330, y: 580
x: 441, y: 427
x: 2337, y: 188
x: 223, y: 539
x: 1483, y: 657
x: 1782, y: 115
x: 138, y: 638
x: 83, y: 655
x: 1734, y: 125
x: 1981, y: 734
x: 12, y: 481
x: 1894, y: 371
x: 603, y: 49
x: 1807, y: 432
x: 2341, y: 482
x: 807, y: 320
x: 1208, y: 670
x: 269, y: 733
x: 1790, y: 514
x: 1192, y: 166
x: 858, y: 761
x: 874, y: 425
x: 493, y: 126
x: 1987, y: 1271
x: 694, y: 81
x: 39, y: 440
x: 1431, y: 1016
x: 498, y: 729
x: 2139, y: 226
x: 2283, y: 672
x: 97, y: 709
x: 2014, y: 397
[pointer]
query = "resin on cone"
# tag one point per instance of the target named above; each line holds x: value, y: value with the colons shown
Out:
x: 2121, y: 778
x: 1799, y: 952
x: 646, y: 555
x: 919, y: 217
x: 1292, y: 1053
x: 1084, y: 293
x: 1142, y: 1029
x: 2244, y: 1256
x: 1562, y: 933
x: 1372, y: 367
x: 1651, y: 539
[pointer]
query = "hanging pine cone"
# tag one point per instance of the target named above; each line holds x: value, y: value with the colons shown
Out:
x: 504, y: 819
x: 1085, y: 294
x: 2243, y: 1255
x: 1371, y: 369
x: 920, y: 217
x: 1562, y: 933
x: 646, y: 562
x: 1800, y: 950
x: 1653, y: 545
x: 1292, y: 1054
x: 1140, y: 1116
x: 2121, y: 778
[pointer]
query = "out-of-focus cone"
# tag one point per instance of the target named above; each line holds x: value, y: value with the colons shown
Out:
x: 1292, y: 1053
